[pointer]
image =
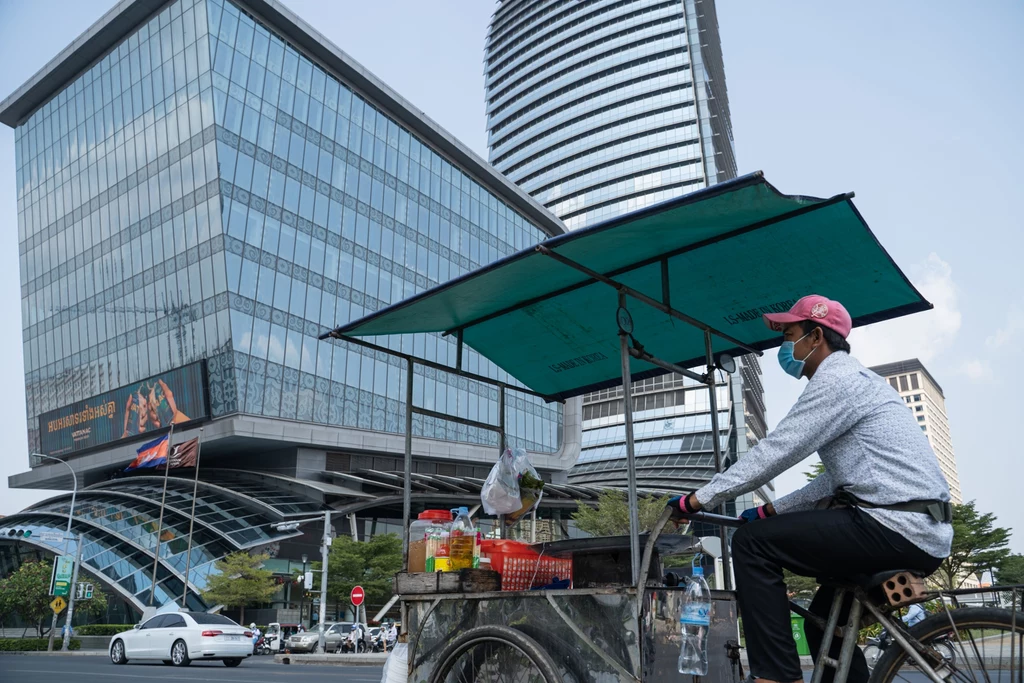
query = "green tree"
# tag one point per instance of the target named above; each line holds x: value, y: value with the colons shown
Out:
x: 28, y: 591
x: 817, y: 469
x: 1011, y: 573
x: 610, y: 517
x: 371, y: 564
x: 96, y: 606
x: 242, y: 581
x: 977, y: 545
x: 6, y: 604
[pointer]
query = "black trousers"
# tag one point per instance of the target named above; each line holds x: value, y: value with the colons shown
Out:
x: 834, y: 543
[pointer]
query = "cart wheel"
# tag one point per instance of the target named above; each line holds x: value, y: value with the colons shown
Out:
x: 494, y: 654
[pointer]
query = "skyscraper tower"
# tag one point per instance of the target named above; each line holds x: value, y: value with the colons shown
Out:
x: 597, y: 108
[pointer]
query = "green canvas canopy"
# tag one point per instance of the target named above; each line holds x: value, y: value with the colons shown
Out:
x: 722, y: 256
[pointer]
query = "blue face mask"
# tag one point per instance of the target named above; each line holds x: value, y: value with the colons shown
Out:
x: 790, y: 365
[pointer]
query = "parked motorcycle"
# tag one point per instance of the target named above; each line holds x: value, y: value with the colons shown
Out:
x: 262, y: 647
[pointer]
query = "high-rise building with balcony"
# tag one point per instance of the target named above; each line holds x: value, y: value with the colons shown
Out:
x: 203, y: 187
x: 597, y: 108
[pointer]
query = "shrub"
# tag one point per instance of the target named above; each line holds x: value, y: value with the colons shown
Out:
x: 34, y: 644
x: 102, y: 629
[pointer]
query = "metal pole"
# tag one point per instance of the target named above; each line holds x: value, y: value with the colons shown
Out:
x: 71, y: 597
x: 407, y: 480
x: 192, y: 519
x: 67, y: 534
x: 302, y: 594
x: 717, y: 446
x: 324, y: 550
x: 502, y: 445
x: 627, y: 402
x: 160, y: 522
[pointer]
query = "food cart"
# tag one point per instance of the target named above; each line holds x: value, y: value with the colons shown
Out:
x: 674, y: 286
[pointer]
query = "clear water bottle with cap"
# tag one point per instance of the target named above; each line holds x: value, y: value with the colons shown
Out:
x: 695, y: 621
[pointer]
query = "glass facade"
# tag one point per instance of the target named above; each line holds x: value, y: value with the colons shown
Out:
x: 205, y: 190
x: 600, y: 108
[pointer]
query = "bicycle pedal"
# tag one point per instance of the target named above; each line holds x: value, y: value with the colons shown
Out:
x: 904, y: 589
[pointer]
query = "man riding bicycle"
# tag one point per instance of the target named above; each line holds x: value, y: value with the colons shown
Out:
x: 881, y: 503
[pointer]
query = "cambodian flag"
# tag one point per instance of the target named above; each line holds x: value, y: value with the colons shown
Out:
x: 152, y: 454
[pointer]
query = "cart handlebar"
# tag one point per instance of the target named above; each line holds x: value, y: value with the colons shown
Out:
x: 709, y: 518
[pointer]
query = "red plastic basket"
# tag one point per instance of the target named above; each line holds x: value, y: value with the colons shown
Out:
x: 521, y: 567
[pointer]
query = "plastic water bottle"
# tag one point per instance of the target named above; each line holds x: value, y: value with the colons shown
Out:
x: 463, y: 540
x: 695, y: 621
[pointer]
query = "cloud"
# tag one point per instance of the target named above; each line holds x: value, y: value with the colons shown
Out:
x: 978, y: 371
x: 1004, y: 335
x: 922, y: 335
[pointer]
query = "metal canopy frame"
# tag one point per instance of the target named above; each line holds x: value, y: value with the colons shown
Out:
x: 629, y: 347
x: 410, y: 365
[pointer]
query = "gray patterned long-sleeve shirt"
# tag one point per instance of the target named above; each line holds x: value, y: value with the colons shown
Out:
x: 869, y: 443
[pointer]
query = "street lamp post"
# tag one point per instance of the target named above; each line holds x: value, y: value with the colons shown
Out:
x: 67, y: 539
x: 302, y: 594
x: 325, y: 548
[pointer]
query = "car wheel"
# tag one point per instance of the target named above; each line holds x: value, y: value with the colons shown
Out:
x: 179, y: 654
x: 117, y: 653
x: 315, y: 649
x: 232, y: 662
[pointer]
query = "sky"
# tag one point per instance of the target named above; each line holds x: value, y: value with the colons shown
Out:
x: 914, y: 105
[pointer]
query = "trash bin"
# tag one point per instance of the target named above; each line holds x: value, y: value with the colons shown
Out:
x: 802, y: 647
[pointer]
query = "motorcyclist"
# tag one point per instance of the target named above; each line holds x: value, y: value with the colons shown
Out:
x: 255, y: 635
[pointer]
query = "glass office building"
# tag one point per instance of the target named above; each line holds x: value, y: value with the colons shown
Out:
x: 602, y: 107
x: 204, y: 187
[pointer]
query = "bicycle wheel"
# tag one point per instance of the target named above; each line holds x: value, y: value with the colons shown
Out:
x: 495, y: 654
x: 987, y: 644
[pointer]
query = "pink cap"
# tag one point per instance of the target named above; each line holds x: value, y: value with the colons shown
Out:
x: 816, y: 308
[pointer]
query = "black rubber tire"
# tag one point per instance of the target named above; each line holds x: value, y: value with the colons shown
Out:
x: 316, y: 648
x: 936, y: 626
x: 233, y: 662
x: 117, y: 652
x: 529, y: 647
x: 179, y: 656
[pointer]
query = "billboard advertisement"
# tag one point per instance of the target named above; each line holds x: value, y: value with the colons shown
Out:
x: 139, y: 409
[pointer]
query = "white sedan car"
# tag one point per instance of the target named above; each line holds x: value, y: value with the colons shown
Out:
x: 179, y: 638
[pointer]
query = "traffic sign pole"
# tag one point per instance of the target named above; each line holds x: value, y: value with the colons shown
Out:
x: 71, y: 598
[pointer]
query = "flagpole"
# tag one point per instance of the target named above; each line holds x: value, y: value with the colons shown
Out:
x: 192, y: 519
x: 160, y: 523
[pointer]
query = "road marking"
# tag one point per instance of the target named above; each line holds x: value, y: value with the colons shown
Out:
x: 291, y: 672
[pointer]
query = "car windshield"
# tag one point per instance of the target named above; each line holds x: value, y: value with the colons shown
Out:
x: 203, y: 618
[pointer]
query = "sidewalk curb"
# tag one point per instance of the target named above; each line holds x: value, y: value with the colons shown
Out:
x: 375, y: 659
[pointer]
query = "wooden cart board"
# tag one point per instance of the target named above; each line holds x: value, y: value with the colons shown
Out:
x: 462, y: 581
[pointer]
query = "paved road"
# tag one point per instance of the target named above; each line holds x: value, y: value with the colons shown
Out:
x: 63, y: 669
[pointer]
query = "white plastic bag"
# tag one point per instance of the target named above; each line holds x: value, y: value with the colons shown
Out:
x: 396, y: 666
x: 500, y: 493
x: 530, y: 486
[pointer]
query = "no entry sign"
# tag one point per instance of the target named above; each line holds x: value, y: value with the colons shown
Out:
x: 357, y: 596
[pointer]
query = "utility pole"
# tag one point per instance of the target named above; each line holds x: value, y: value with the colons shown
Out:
x: 302, y: 594
x: 325, y: 548
x: 71, y: 597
